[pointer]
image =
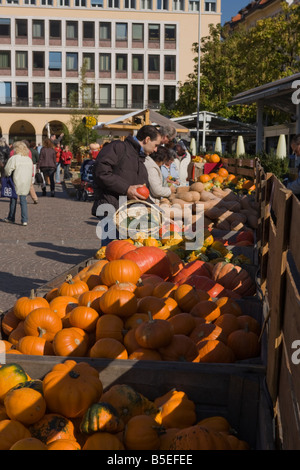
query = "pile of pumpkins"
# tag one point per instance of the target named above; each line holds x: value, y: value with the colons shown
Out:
x: 68, y: 409
x: 224, y: 208
x: 140, y: 303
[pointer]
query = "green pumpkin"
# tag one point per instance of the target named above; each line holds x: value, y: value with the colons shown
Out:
x: 34, y: 384
x: 10, y: 376
x: 101, y: 417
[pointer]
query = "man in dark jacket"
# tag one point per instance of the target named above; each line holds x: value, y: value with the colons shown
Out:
x: 119, y: 167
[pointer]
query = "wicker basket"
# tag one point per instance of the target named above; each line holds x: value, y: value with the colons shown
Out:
x: 135, y: 217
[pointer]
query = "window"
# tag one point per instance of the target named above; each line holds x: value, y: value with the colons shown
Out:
x: 193, y: 5
x: 21, y: 60
x: 97, y: 3
x: 137, y: 96
x: 178, y: 5
x: 72, y: 94
x: 211, y: 6
x: 121, y: 63
x: 72, y: 30
x: 54, y: 60
x: 105, y: 31
x: 137, y: 32
x: 170, y: 63
x: 154, y: 32
x: 130, y: 4
x: 4, y: 27
x: 137, y: 63
x: 72, y: 61
x: 22, y: 93
x: 64, y: 3
x: 153, y: 63
x: 89, y: 61
x: 55, y: 29
x: 38, y: 30
x: 121, y: 96
x: 162, y: 5
x: 21, y: 28
x: 4, y: 59
x: 153, y: 95
x: 5, y: 93
x: 88, y: 30
x: 55, y: 94
x: 38, y: 90
x: 80, y: 3
x: 29, y: 2
x: 105, y: 62
x: 146, y: 4
x: 170, y: 95
x: 170, y: 32
x: 12, y: 2
x: 105, y: 95
x: 121, y: 31
x: 113, y: 3
x: 88, y: 95
x: 38, y: 60
x: 47, y: 2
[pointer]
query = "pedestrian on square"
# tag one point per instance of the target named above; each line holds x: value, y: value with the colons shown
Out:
x: 66, y: 158
x: 4, y: 154
x: 20, y: 166
x: 182, y: 160
x: 153, y: 163
x: 47, y: 165
x: 168, y: 134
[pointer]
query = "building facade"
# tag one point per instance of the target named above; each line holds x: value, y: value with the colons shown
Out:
x: 130, y: 54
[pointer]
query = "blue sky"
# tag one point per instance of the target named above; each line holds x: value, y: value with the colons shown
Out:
x: 230, y: 8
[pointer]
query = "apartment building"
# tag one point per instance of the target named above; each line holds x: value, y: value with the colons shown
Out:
x: 134, y: 54
x: 256, y: 10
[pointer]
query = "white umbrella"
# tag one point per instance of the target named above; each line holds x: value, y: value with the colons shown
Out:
x: 281, y: 147
x: 218, y: 145
x: 193, y: 146
x: 240, y: 146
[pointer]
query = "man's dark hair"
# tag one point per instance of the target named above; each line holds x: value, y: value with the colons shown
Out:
x: 147, y: 131
x: 162, y: 154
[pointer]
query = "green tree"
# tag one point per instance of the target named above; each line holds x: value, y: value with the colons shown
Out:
x: 79, y: 134
x: 238, y: 61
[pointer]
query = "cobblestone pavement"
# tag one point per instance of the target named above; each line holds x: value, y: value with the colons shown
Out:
x: 61, y: 233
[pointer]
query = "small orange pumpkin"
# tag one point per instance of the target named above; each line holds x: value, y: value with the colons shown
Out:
x: 109, y: 348
x: 42, y: 322
x: 25, y: 405
x: 25, y: 305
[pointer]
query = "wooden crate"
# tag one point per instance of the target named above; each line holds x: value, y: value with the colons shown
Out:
x: 235, y: 392
x: 243, y: 167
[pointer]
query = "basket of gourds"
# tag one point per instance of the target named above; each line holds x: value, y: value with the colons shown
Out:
x: 134, y: 217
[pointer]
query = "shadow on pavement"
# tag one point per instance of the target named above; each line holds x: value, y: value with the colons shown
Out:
x: 10, y: 284
x: 62, y: 254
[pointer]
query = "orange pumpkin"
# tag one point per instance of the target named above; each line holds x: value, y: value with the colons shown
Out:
x: 157, y: 307
x: 110, y: 326
x: 205, y: 330
x: 25, y: 405
x: 130, y: 341
x: 122, y: 270
x: 34, y: 345
x: 188, y: 296
x: 103, y: 441
x: 91, y: 299
x: 206, y: 309
x: 84, y: 317
x: 143, y: 354
x: 228, y: 305
x: 213, y: 350
x: 181, y: 349
x: 9, y: 322
x: 109, y: 348
x: 64, y: 444
x: 176, y: 410
x: 183, y: 323
x: 135, y: 320
x: 42, y: 322
x: 204, y: 178
x: 244, y: 343
x: 72, y: 288
x: 71, y: 342
x: 164, y: 289
x: 228, y: 323
x: 142, y: 433
x: 29, y: 443
x: 63, y: 304
x: 25, y: 305
x: 116, y: 248
x: 52, y: 427
x: 122, y: 303
x: 214, y: 158
x: 154, y: 333
x: 70, y: 388
x: 12, y: 431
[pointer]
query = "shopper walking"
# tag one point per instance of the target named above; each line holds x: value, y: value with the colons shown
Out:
x: 20, y: 166
x: 47, y: 165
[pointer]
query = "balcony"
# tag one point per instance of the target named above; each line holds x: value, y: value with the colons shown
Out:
x: 65, y: 105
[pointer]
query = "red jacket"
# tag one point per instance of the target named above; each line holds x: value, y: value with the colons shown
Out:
x: 67, y: 157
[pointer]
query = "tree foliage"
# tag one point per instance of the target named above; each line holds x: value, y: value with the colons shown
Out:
x: 233, y: 62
